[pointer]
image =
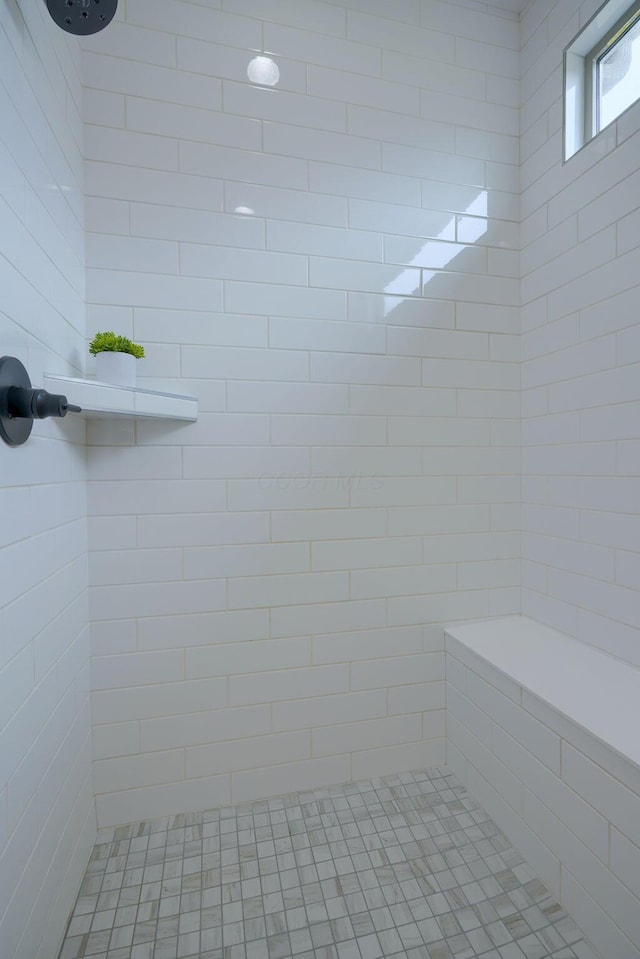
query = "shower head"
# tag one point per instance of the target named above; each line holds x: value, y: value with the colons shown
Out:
x: 82, y: 17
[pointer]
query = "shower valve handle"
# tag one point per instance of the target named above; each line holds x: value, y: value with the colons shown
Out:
x: 37, y: 404
x: 20, y: 404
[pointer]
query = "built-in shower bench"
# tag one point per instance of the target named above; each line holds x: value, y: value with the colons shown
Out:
x: 545, y: 731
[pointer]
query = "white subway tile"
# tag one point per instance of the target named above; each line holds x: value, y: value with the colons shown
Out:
x: 201, y: 629
x: 392, y: 731
x: 402, y: 581
x: 103, y: 109
x: 453, y: 461
x: 116, y: 739
x: 137, y: 669
x: 290, y: 777
x: 108, y: 144
x: 123, y: 182
x: 236, y: 164
x: 244, y: 463
x: 437, y: 431
x: 398, y: 671
x: 489, y: 489
x: 155, y: 497
x: 392, y: 759
x: 287, y: 398
x: 281, y: 590
x: 131, y: 772
x: 190, y: 123
x: 366, y: 644
x: 196, y: 21
x: 17, y: 681
x: 402, y: 401
x: 365, y: 463
x: 364, y: 184
x: 484, y: 575
x: 288, y: 684
x: 400, y: 551
x: 113, y: 637
x: 323, y: 524
x: 320, y: 111
x: 229, y: 264
x: 610, y: 894
x: 403, y: 611
x: 314, y: 15
x: 111, y: 567
x: 195, y: 226
x: 433, y: 75
x: 285, y: 204
x: 451, y: 547
x: 300, y: 430
x: 271, y: 299
x: 200, y: 529
x: 219, y: 60
x: 467, y: 712
x: 352, y: 369
x: 247, y: 754
x: 136, y: 805
x: 367, y: 277
x: 402, y: 311
x: 243, y: 364
x: 362, y: 90
x: 305, y: 44
x: 172, y: 292
x: 443, y: 519
x: 211, y: 562
x: 155, y: 599
x: 323, y: 240
x: 625, y: 861
x: 277, y: 492
x: 288, y: 140
x: 134, y: 43
x: 394, y: 35
x: 418, y: 697
x: 327, y: 617
x: 210, y: 726
x: 602, y: 791
x: 404, y: 220
x: 481, y: 759
x: 247, y: 657
x: 327, y: 710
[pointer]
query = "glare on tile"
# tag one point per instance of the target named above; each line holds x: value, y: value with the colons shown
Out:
x: 263, y: 70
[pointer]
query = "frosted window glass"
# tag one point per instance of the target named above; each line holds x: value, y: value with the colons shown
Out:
x: 618, y: 73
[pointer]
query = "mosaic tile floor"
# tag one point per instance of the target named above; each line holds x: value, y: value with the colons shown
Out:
x: 404, y: 866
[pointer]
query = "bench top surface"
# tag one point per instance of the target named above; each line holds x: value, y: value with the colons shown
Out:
x: 596, y: 691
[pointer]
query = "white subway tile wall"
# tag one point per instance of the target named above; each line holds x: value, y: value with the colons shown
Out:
x: 47, y: 818
x: 331, y: 265
x: 580, y: 371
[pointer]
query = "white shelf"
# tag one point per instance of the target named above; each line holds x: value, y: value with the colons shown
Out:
x: 99, y: 400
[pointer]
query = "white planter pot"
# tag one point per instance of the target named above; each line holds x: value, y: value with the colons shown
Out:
x: 118, y: 369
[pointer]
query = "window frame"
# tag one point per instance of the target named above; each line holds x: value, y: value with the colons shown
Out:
x: 621, y: 27
x: 605, y: 28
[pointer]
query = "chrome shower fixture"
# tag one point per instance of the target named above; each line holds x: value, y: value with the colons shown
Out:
x: 82, y: 17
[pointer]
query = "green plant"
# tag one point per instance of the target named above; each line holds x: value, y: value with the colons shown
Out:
x: 109, y: 342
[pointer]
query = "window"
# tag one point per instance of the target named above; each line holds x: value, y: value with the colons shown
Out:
x: 602, y: 72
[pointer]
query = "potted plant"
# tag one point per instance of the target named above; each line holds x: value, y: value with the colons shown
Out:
x: 115, y: 358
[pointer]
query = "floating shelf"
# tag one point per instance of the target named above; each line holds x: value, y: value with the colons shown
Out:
x: 99, y: 400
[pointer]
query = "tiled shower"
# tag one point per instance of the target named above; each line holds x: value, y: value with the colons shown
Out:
x: 413, y: 334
